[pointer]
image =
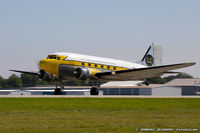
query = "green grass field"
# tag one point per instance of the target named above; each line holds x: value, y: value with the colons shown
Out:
x: 51, y: 115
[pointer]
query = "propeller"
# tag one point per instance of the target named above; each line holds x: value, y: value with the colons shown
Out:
x: 38, y: 64
x: 40, y: 72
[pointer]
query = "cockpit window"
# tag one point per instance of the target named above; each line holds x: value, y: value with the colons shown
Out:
x: 65, y: 58
x: 51, y: 57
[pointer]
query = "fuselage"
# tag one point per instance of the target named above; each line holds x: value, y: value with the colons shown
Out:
x: 96, y: 64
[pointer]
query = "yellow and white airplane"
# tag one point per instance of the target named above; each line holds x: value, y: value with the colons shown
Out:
x: 69, y: 66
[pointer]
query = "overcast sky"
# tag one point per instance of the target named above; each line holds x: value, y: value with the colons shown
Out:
x: 121, y: 29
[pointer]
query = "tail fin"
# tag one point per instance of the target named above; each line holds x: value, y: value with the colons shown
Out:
x: 153, y: 56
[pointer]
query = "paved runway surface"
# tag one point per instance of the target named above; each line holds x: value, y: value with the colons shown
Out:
x: 101, y: 96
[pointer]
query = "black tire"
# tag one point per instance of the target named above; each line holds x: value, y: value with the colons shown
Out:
x: 146, y: 83
x: 58, y: 91
x: 94, y: 91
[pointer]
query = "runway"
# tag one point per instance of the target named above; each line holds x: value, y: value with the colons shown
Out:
x: 88, y: 96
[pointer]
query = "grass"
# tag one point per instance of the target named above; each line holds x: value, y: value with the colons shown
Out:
x: 90, y: 115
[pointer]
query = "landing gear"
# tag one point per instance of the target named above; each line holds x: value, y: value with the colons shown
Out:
x: 146, y: 83
x: 58, y: 91
x: 94, y: 91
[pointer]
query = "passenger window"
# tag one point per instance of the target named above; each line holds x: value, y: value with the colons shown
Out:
x: 89, y: 64
x: 95, y: 65
x: 58, y: 58
x: 108, y: 67
x: 114, y: 68
x: 101, y: 66
x: 83, y: 64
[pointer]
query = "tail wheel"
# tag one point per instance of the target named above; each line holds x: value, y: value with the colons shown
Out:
x: 94, y: 91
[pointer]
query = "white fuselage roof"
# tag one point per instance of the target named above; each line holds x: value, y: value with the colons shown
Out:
x: 99, y: 60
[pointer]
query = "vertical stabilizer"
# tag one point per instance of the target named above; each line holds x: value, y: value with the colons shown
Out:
x: 153, y: 56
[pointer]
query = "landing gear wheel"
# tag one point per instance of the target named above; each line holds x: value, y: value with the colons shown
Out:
x: 146, y: 83
x: 94, y: 91
x: 58, y: 91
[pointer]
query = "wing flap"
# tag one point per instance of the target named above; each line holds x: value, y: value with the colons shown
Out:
x: 141, y: 73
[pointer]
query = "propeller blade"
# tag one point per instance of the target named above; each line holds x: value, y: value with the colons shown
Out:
x: 38, y: 64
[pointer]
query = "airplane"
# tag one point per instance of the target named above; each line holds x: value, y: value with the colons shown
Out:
x: 64, y: 67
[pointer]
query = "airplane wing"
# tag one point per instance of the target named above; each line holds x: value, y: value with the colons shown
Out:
x: 25, y: 72
x: 141, y: 73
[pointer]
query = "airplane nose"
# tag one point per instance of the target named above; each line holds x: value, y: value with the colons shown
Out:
x: 49, y: 66
x: 42, y: 64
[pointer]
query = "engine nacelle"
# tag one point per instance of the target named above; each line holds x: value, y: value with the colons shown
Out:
x: 82, y: 73
x: 67, y: 72
x: 46, y: 76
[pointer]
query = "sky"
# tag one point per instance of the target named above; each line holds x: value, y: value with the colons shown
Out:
x: 121, y: 29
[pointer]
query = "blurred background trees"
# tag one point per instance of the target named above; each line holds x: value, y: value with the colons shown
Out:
x: 163, y: 80
x: 12, y: 82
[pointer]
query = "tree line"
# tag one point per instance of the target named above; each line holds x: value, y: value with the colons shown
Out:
x: 163, y: 80
x: 26, y: 80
